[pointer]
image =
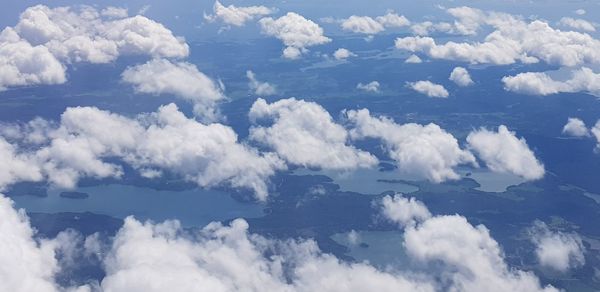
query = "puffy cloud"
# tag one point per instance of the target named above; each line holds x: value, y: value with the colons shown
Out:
x: 342, y: 54
x: 575, y: 127
x: 502, y: 151
x: 403, y: 211
x: 372, y: 86
x: 413, y: 59
x: 467, y: 22
x: 304, y: 133
x: 429, y: 88
x: 259, y: 88
x: 557, y: 250
x: 33, y: 52
x: 393, y: 20
x: 237, y: 16
x: 27, y: 265
x: 472, y: 260
x: 370, y: 26
x: 362, y: 24
x: 580, y: 11
x: 512, y: 40
x: 228, y: 258
x: 423, y: 151
x: 461, y: 77
x: 23, y: 64
x: 296, y: 32
x: 164, y: 256
x: 578, y: 24
x: 541, y: 83
x: 182, y: 79
x: 84, y: 36
x: 86, y: 137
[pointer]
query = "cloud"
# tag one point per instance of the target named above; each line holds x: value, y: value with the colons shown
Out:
x: 576, y: 128
x: 296, y: 32
x: 372, y: 86
x: 471, y: 259
x: 580, y: 11
x: 342, y: 54
x: 422, y: 151
x: 368, y: 25
x: 164, y: 256
x: 22, y: 64
x: 578, y: 24
x: 236, y: 16
x: 259, y: 88
x: 87, y: 138
x: 404, y: 211
x: 182, y: 79
x: 557, y: 250
x: 393, y: 20
x: 28, y: 265
x: 303, y: 133
x: 461, y: 77
x: 429, y: 88
x: 413, y: 59
x: 541, y: 83
x: 502, y: 151
x: 596, y: 132
x: 512, y: 40
x: 362, y: 24
x: 36, y: 50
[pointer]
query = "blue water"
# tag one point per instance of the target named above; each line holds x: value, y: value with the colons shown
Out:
x: 196, y: 207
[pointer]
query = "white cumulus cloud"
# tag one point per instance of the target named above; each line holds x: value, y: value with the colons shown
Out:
x: 575, y: 127
x: 557, y: 250
x: 342, y: 54
x: 296, y: 32
x: 304, y: 133
x: 541, y: 83
x: 502, y: 151
x: 182, y: 79
x: 429, y: 88
x: 423, y: 151
x: 461, y: 77
x: 237, y: 16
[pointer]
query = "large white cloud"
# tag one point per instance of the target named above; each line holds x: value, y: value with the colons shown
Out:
x: 502, y: 151
x: 27, y: 265
x: 557, y: 250
x: 304, y: 133
x: 35, y: 50
x: 296, y: 32
x: 80, y: 145
x: 237, y: 16
x: 23, y: 64
x: 161, y: 76
x: 429, y: 88
x: 156, y: 257
x: 512, y: 40
x: 423, y: 151
x: 541, y: 83
x: 461, y: 77
x: 472, y: 260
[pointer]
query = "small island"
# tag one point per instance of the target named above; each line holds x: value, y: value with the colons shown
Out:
x: 74, y: 195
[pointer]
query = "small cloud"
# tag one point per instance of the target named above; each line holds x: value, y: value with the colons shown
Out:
x: 372, y: 86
